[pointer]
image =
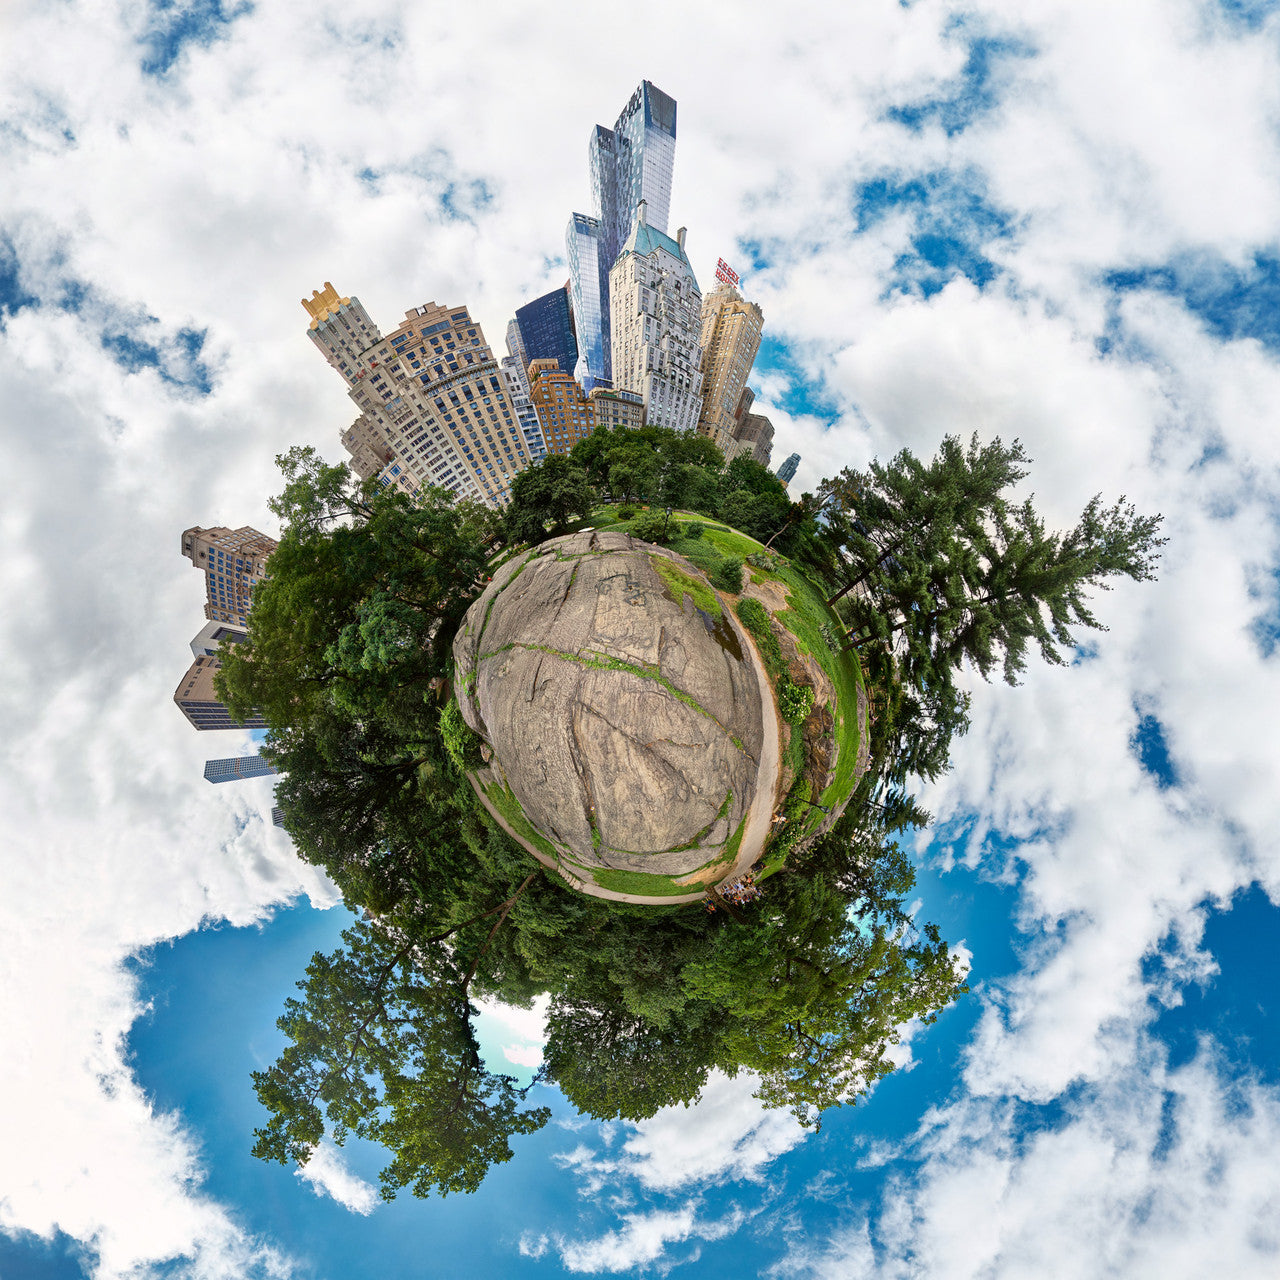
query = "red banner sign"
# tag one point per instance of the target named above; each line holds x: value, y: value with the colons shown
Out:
x: 725, y: 273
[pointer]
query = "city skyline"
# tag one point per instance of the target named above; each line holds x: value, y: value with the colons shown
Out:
x: 1051, y: 225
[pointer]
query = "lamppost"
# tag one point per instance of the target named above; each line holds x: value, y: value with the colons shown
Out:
x: 666, y: 522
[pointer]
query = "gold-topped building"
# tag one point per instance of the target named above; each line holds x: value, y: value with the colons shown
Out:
x: 434, y: 408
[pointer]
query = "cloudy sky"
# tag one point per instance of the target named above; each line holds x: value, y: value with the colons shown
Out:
x: 1058, y: 221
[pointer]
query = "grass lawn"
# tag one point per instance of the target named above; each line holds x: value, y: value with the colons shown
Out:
x: 804, y: 618
x: 650, y: 884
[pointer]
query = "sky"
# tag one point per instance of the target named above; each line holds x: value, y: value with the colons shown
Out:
x: 1057, y: 222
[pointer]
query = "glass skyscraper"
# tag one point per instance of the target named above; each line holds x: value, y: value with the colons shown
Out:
x: 237, y: 767
x: 787, y: 471
x: 631, y: 162
x: 546, y: 330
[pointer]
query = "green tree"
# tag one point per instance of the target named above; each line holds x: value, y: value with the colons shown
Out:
x: 612, y: 1063
x: 383, y: 1047
x: 815, y: 992
x: 892, y: 516
x: 633, y: 472
x: 552, y: 491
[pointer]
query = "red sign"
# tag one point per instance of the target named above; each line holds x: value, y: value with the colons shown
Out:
x: 725, y: 273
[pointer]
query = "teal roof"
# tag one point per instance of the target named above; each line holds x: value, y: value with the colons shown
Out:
x: 644, y: 239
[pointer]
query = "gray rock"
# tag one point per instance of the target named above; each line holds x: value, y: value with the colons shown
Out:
x: 620, y: 718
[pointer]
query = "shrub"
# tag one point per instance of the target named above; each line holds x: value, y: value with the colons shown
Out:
x: 694, y: 529
x: 763, y: 560
x: 626, y: 513
x: 728, y: 575
x: 795, y: 701
x: 460, y: 742
x: 654, y: 526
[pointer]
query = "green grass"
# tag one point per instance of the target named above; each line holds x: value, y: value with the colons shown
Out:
x: 681, y: 584
x: 805, y: 617
x: 502, y: 799
x: 730, y: 542
x: 650, y: 884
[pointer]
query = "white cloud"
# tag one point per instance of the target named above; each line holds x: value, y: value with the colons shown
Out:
x: 326, y: 1170
x: 217, y: 198
x: 1158, y: 1173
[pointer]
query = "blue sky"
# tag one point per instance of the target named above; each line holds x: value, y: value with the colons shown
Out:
x: 1063, y: 228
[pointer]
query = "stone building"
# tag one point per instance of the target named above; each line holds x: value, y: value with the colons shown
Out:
x: 656, y: 311
x: 429, y: 393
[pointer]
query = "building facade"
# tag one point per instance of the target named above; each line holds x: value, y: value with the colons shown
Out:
x: 430, y: 392
x: 631, y: 162
x: 753, y: 435
x: 517, y: 379
x: 196, y: 699
x: 787, y: 471
x: 730, y: 338
x: 612, y: 409
x: 656, y: 322
x: 233, y: 561
x: 546, y: 329
x: 234, y: 767
x: 564, y: 413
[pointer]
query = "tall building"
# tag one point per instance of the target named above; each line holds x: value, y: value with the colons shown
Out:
x: 564, y: 413
x: 430, y: 398
x: 196, y: 699
x: 629, y: 163
x: 517, y: 380
x: 546, y: 331
x: 612, y: 409
x: 656, y: 323
x: 589, y: 296
x: 213, y: 635
x: 517, y: 353
x: 277, y: 816
x: 233, y: 561
x: 787, y: 471
x: 730, y: 339
x: 234, y: 767
x: 753, y: 434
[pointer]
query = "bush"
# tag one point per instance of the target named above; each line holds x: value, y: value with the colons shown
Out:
x: 728, y: 575
x: 795, y: 701
x: 763, y: 560
x: 654, y: 526
x: 462, y: 745
x: 626, y: 513
x: 694, y: 529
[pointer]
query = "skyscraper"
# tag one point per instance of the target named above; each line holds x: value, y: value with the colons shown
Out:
x: 431, y: 400
x: 233, y: 562
x: 546, y: 330
x: 753, y: 434
x: 196, y: 699
x: 631, y: 162
x: 656, y: 322
x: 730, y: 339
x: 233, y: 767
x: 787, y: 471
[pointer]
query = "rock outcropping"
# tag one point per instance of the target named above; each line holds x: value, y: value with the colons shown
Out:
x: 627, y: 723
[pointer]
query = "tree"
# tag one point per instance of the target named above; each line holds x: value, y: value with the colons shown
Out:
x: 993, y: 590
x: 814, y: 994
x: 880, y: 519
x: 633, y: 472
x: 553, y: 491
x: 383, y: 1047
x: 614, y: 1064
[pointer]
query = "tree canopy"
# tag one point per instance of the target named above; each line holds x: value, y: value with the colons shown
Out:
x: 930, y: 564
